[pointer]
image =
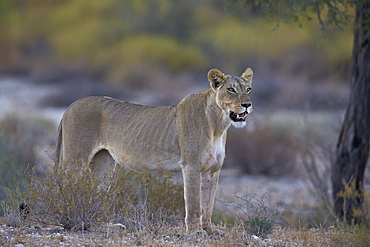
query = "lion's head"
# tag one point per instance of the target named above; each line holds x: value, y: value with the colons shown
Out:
x: 233, y: 94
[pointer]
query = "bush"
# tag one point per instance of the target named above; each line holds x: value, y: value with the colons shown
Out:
x: 13, y: 216
x: 267, y: 150
x: 260, y: 226
x: 18, y: 139
x: 76, y: 199
x: 252, y: 213
x: 258, y: 217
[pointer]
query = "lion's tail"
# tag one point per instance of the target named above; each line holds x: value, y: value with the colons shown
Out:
x: 58, y: 151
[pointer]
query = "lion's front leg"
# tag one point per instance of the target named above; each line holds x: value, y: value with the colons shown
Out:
x: 208, y: 193
x: 192, y: 180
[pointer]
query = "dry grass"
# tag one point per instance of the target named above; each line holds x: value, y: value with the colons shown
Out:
x: 174, y: 236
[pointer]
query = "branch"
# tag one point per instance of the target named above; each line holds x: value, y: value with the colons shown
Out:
x: 333, y: 13
x: 334, y: 7
x: 319, y: 17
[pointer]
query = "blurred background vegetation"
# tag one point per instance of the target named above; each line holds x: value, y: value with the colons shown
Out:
x: 114, y: 40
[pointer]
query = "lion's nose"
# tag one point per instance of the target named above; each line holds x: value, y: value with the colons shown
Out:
x: 246, y: 105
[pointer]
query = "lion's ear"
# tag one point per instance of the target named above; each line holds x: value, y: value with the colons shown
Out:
x: 216, y: 78
x: 247, y: 75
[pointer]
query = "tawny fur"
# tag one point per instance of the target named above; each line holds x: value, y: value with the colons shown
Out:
x: 190, y: 136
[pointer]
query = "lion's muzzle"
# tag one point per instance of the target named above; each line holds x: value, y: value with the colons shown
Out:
x: 240, y: 117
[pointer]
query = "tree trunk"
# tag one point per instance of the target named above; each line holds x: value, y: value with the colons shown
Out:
x: 352, y: 149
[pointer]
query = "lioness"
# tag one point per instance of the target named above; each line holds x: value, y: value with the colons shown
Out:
x: 190, y: 136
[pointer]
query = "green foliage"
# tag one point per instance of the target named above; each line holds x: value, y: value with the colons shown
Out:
x: 111, y: 38
x: 164, y: 50
x: 260, y: 218
x: 22, y: 28
x: 76, y: 199
x: 142, y: 54
x: 329, y: 13
x: 260, y: 226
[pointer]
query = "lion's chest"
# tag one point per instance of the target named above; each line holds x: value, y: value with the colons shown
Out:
x: 214, y: 154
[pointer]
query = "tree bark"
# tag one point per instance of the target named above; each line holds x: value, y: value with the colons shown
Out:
x: 352, y: 150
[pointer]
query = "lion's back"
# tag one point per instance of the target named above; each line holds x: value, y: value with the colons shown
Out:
x: 127, y: 130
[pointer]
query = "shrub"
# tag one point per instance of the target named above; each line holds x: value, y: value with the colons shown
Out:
x: 259, y: 218
x: 267, y: 150
x: 13, y: 216
x: 18, y: 138
x: 76, y: 199
x: 260, y: 226
x: 252, y: 213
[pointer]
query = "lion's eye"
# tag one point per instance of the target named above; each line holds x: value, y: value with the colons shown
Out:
x: 249, y: 90
x: 231, y: 90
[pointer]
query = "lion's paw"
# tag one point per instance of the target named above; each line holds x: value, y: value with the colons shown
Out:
x: 205, y: 233
x: 201, y: 233
x: 217, y: 233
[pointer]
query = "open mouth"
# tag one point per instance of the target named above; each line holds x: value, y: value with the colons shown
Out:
x: 238, y: 117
